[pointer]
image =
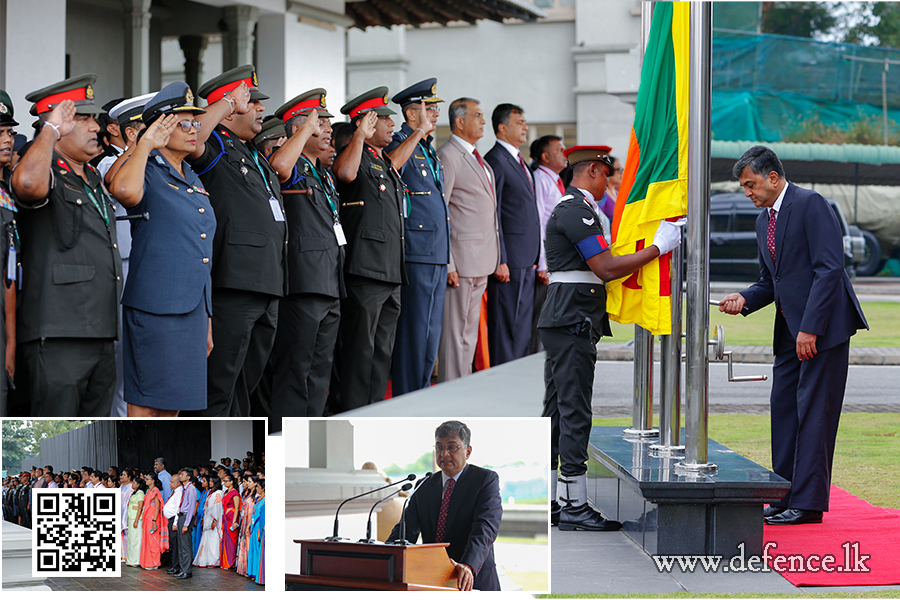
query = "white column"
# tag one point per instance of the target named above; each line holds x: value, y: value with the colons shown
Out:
x: 137, y: 46
x: 238, y: 38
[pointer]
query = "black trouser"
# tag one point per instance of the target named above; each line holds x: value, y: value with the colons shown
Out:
x: 243, y: 325
x: 173, y: 543
x: 569, y: 380
x: 301, y: 359
x: 71, y: 377
x: 368, y: 325
x: 185, y: 545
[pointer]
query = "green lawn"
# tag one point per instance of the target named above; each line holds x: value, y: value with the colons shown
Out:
x: 756, y: 330
x: 865, y: 458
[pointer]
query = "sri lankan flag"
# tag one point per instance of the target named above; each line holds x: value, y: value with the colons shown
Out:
x: 654, y: 185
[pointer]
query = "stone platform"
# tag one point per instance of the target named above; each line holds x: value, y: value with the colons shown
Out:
x: 668, y: 512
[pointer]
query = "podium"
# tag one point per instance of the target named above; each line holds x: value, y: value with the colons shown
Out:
x: 328, y: 565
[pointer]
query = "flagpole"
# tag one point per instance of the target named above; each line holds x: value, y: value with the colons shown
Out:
x: 696, y: 458
x: 642, y: 409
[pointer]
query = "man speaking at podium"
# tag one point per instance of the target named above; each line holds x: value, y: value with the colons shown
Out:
x: 461, y: 506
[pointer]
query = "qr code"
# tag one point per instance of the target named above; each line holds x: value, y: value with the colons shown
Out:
x: 75, y: 533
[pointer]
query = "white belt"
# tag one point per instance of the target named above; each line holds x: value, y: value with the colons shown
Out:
x: 574, y: 277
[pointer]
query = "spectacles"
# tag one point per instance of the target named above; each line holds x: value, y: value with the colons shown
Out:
x: 619, y: 170
x: 452, y: 448
x: 186, y: 125
x: 433, y: 108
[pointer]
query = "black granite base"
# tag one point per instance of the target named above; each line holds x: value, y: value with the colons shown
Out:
x: 665, y: 512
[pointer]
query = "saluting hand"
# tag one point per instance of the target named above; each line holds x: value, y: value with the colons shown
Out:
x: 425, y: 123
x: 158, y: 133
x: 63, y: 117
x: 367, y: 124
x: 311, y: 124
x: 241, y: 95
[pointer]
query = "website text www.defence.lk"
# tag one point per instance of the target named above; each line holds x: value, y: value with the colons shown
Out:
x: 851, y: 561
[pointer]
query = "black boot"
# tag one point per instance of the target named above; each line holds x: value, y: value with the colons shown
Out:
x: 585, y: 518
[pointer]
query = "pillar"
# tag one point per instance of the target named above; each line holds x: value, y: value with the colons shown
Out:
x: 193, y: 46
x: 137, y: 46
x: 238, y: 38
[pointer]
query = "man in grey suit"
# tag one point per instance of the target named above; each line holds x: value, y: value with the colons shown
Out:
x: 469, y: 187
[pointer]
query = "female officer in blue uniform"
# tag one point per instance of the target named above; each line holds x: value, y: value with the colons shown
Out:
x: 166, y: 303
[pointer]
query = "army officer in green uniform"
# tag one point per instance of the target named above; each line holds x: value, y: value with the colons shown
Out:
x: 72, y: 272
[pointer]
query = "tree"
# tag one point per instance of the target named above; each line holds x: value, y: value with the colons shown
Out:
x: 878, y: 25
x: 798, y: 19
x: 23, y: 438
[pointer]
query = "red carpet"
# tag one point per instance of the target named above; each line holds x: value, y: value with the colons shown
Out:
x: 852, y: 529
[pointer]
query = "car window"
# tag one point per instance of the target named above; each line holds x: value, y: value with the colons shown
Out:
x: 745, y: 222
x: 718, y: 223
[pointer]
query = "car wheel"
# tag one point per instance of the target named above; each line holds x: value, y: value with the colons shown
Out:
x: 872, y: 263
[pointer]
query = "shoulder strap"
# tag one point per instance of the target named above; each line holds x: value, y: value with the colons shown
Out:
x: 222, y: 153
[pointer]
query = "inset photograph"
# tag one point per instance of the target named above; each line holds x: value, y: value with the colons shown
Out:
x: 119, y: 505
x: 417, y: 504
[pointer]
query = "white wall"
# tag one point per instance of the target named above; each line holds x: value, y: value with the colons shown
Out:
x: 31, y: 66
x: 231, y: 438
x: 95, y: 39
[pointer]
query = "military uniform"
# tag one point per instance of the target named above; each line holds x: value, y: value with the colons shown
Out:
x: 23, y: 500
x: 372, y: 210
x: 309, y: 316
x: 427, y: 255
x: 9, y: 252
x: 572, y: 321
x: 249, y: 250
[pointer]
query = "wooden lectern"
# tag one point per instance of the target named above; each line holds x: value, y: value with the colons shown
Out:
x: 347, y: 566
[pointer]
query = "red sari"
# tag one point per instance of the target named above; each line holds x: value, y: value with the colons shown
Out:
x: 229, y: 538
x: 153, y: 544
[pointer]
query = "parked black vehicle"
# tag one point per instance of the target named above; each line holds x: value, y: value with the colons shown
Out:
x: 733, y: 252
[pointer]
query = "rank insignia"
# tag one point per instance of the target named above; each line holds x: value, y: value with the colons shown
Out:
x: 243, y: 170
x: 189, y: 96
x: 382, y: 187
x: 434, y: 89
x: 89, y: 93
x: 3, y: 109
x: 323, y: 100
x: 63, y: 164
x: 160, y: 161
x: 255, y: 81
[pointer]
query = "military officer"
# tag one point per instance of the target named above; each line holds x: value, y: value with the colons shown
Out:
x: 250, y: 244
x: 270, y: 135
x: 373, y: 206
x: 9, y: 250
x: 309, y: 316
x: 427, y: 239
x: 71, y: 269
x: 23, y: 500
x: 573, y: 319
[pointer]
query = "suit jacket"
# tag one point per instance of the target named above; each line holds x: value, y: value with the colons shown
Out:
x: 474, y: 227
x: 473, y: 520
x: 520, y: 225
x: 809, y: 282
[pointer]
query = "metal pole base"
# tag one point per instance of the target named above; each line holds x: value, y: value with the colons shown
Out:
x: 663, y: 450
x: 696, y: 467
x: 640, y: 433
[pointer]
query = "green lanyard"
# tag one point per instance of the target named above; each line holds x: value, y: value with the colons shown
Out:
x: 101, y: 207
x: 315, y: 172
x: 434, y: 175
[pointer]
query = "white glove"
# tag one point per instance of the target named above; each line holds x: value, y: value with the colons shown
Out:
x: 668, y: 235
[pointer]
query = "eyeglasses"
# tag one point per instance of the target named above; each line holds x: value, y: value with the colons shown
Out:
x: 186, y: 125
x: 452, y: 448
x: 619, y: 170
x: 433, y: 109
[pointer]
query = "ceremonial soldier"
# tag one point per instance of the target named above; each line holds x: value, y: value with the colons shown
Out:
x: 268, y: 137
x: 9, y: 252
x: 23, y: 500
x: 248, y: 274
x: 572, y: 321
x: 427, y: 239
x: 71, y: 270
x: 309, y: 316
x: 373, y: 206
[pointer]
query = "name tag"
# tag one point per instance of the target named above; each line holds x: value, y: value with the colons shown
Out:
x: 374, y: 166
x: 419, y: 156
x: 11, y: 264
x: 339, y: 234
x: 276, y: 209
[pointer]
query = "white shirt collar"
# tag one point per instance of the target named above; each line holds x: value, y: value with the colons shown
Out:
x: 777, y: 205
x: 510, y: 148
x: 549, y: 172
x: 587, y: 194
x: 469, y: 147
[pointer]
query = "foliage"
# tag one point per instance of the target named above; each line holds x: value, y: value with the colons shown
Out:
x: 878, y: 24
x: 423, y: 464
x: 798, y: 19
x: 23, y: 438
x: 867, y: 129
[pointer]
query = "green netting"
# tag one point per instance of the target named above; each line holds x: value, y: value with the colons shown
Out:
x: 767, y: 87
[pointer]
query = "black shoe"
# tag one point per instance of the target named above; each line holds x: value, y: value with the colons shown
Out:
x: 173, y: 571
x: 183, y: 576
x: 796, y: 516
x: 585, y: 518
x: 554, y: 513
x: 771, y: 511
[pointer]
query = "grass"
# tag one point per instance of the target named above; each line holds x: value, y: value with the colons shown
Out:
x: 756, y: 329
x: 865, y: 458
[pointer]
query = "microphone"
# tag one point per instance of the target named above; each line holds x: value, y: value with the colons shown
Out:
x: 368, y: 539
x: 402, y: 541
x: 335, y: 537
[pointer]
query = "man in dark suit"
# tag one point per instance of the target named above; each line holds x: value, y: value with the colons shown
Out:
x: 801, y: 265
x: 511, y: 290
x: 460, y: 506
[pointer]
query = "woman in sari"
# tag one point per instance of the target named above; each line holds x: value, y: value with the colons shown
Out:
x: 155, y: 534
x: 133, y: 522
x: 256, y: 566
x: 231, y: 510
x: 249, y: 501
x: 210, y: 551
x: 203, y: 490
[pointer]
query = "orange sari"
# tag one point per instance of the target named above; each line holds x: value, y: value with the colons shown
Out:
x: 153, y: 544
